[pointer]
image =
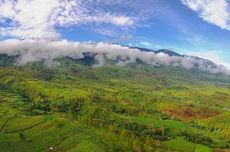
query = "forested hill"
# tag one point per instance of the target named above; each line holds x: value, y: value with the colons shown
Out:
x: 73, y: 106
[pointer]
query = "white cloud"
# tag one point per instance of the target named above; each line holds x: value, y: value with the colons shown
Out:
x: 38, y: 18
x: 149, y: 45
x: 30, y: 18
x: 216, y: 12
x: 121, y: 20
x: 121, y: 38
x: 215, y: 56
x: 42, y: 50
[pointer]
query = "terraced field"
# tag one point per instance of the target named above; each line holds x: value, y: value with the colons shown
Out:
x: 132, y: 108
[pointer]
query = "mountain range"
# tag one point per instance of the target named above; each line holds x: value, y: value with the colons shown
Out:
x: 89, y: 57
x: 69, y: 104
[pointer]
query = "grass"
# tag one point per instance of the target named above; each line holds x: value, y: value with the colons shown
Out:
x: 62, y: 134
x: 87, y: 146
x: 181, y: 145
x: 23, y: 123
x: 171, y: 124
x: 79, y: 108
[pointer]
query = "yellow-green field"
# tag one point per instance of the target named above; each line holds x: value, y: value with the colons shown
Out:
x: 74, y: 107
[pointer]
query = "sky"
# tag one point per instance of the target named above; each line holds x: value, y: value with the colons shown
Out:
x: 192, y: 27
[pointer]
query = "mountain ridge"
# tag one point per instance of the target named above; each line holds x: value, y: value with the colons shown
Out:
x: 91, y: 58
x: 125, y: 108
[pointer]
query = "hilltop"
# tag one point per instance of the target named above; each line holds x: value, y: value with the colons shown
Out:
x: 74, y: 106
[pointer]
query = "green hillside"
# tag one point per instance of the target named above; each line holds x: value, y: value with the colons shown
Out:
x: 77, y: 108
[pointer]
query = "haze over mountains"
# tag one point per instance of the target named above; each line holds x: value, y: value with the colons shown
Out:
x: 93, y: 97
x: 47, y: 51
x: 114, y: 75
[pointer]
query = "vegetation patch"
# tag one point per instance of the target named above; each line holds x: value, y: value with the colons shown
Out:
x: 190, y: 112
x: 74, y: 107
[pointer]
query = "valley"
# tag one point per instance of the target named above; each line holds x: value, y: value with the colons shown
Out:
x: 75, y: 107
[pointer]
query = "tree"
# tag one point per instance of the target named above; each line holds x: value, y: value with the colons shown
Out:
x: 148, y: 145
x: 137, y: 145
x: 22, y: 136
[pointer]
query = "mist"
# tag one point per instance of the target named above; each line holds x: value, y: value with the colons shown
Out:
x: 43, y: 50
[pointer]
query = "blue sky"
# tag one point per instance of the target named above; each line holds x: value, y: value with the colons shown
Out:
x: 198, y: 27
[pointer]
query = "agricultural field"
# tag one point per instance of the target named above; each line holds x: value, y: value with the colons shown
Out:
x: 74, y: 107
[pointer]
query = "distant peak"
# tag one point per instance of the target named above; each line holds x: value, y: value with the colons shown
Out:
x: 169, y: 52
x: 165, y: 51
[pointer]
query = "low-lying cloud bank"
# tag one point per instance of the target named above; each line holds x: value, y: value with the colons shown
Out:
x: 37, y: 50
